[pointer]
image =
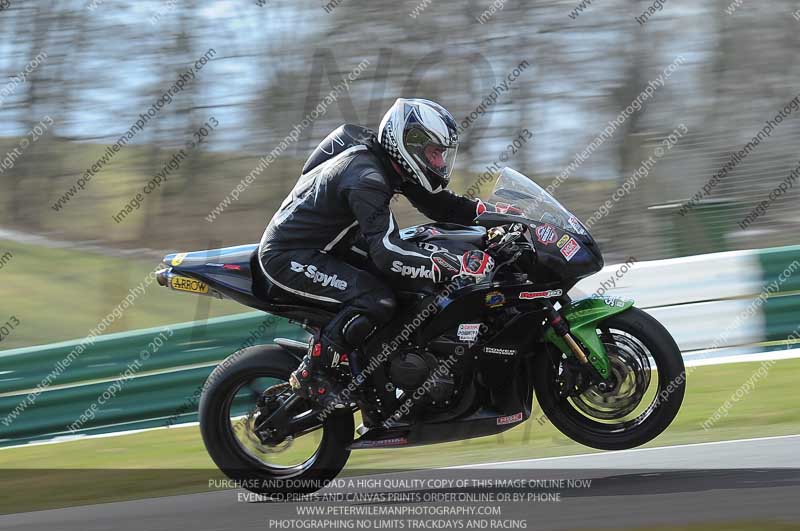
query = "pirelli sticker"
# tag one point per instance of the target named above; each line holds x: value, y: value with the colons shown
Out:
x: 189, y: 284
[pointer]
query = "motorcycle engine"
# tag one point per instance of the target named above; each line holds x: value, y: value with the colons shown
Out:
x: 409, y: 370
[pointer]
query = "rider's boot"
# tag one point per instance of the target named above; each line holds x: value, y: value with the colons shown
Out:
x: 316, y: 379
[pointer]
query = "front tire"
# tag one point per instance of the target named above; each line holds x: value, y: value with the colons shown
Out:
x: 603, y: 430
x: 273, y: 364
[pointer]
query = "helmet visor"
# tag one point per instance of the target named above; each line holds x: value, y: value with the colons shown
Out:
x: 434, y: 158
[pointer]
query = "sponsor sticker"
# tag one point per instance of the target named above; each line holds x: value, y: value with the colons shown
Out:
x: 189, y: 284
x: 495, y: 299
x: 510, y: 419
x: 614, y: 302
x: 468, y: 331
x: 546, y: 234
x: 564, y: 239
x: 570, y: 249
x: 178, y: 259
x: 527, y: 295
x: 576, y: 224
x: 500, y: 351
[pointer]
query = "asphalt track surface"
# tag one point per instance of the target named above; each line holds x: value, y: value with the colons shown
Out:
x: 749, y: 480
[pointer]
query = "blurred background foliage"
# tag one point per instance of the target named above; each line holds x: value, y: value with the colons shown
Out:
x: 108, y: 60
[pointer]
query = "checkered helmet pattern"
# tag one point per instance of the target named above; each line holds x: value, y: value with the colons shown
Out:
x: 431, y: 117
x: 388, y: 140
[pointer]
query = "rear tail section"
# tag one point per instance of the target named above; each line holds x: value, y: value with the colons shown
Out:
x: 233, y: 273
x: 225, y: 273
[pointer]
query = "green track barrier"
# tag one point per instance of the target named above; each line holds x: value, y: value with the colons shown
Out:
x: 148, y: 397
x: 782, y: 308
x: 779, y: 260
x: 158, y: 389
x: 108, y: 356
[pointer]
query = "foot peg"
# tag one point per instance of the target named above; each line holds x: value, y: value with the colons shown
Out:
x: 316, y: 385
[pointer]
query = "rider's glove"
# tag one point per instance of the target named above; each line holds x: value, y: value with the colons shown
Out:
x: 474, y: 265
x: 446, y: 266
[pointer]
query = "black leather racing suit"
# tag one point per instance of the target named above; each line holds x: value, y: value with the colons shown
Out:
x: 343, y: 195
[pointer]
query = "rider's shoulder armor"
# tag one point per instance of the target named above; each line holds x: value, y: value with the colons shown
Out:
x: 340, y: 139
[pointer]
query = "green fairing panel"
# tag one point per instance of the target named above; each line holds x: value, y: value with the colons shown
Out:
x: 583, y: 316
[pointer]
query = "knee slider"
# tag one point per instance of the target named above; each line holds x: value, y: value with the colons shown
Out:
x: 356, y: 330
x: 384, y: 310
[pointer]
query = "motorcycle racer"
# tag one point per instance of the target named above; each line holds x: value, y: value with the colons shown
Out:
x: 342, y: 196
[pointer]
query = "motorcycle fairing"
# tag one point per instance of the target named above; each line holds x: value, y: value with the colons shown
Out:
x: 461, y: 305
x: 509, y: 403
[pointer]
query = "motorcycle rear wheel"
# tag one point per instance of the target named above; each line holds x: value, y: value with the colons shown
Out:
x: 241, y: 462
x: 632, y: 338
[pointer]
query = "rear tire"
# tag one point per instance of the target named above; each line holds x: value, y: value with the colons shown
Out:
x: 671, y: 376
x: 226, y: 451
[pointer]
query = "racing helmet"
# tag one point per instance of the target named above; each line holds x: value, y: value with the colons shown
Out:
x: 422, y: 137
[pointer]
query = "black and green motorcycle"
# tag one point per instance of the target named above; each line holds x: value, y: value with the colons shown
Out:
x: 455, y: 364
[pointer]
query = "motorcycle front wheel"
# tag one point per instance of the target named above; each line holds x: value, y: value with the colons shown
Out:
x: 649, y: 386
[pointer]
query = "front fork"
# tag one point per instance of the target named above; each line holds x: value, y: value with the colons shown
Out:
x: 593, y: 359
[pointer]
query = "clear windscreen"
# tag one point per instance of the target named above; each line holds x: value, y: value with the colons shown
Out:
x: 513, y: 188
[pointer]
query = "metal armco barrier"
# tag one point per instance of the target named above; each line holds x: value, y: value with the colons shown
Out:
x: 697, y: 298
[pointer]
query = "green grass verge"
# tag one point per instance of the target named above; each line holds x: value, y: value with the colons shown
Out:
x: 766, y: 411
x: 61, y: 294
